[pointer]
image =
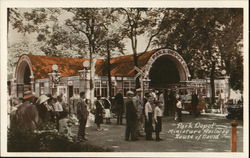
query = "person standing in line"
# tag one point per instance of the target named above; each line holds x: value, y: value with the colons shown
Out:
x: 149, y: 118
x: 139, y: 111
x: 153, y: 94
x: 26, y: 114
x: 158, y: 113
x: 162, y: 100
x: 82, y: 115
x: 107, y: 107
x: 179, y: 109
x: 51, y: 105
x: 73, y: 105
x: 131, y: 118
x: 194, y: 103
x: 167, y: 102
x: 98, y: 113
x: 119, y: 107
x: 58, y: 110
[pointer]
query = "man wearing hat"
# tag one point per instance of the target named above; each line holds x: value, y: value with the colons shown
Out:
x: 29, y: 97
x: 44, y: 108
x: 119, y: 107
x: 131, y: 117
x: 82, y: 115
x: 27, y: 115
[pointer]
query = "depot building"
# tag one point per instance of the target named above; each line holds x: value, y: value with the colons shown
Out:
x: 158, y: 69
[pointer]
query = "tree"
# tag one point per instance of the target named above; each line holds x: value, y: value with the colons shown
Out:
x: 231, y: 47
x: 33, y: 20
x: 94, y: 24
x: 146, y: 22
x: 113, y: 41
x: 199, y: 35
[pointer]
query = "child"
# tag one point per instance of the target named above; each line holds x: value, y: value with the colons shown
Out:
x: 107, y: 115
x: 178, y: 109
x: 157, y: 117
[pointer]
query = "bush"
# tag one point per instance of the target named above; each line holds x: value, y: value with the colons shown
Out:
x: 20, y: 140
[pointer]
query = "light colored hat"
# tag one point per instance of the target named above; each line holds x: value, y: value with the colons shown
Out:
x: 129, y: 93
x: 138, y: 90
x: 43, y: 98
x: 28, y: 94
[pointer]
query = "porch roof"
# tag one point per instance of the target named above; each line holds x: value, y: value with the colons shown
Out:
x: 122, y: 66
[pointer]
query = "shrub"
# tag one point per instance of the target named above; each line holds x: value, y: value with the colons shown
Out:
x: 20, y: 140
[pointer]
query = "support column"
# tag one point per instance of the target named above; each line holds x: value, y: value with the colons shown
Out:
x: 32, y: 83
x: 234, y: 125
x: 14, y: 87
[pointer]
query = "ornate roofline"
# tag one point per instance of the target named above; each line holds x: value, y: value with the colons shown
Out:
x: 176, y: 57
x: 21, y: 64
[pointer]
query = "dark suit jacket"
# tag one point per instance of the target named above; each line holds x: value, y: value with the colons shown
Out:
x: 130, y: 110
x: 27, y: 116
x: 82, y: 112
x: 119, y: 103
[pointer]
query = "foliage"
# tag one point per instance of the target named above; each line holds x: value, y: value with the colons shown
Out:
x: 34, y: 20
x: 18, y: 49
x: 142, y: 22
x: 209, y: 39
x: 27, y: 141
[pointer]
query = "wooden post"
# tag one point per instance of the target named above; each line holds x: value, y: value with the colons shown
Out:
x: 234, y: 125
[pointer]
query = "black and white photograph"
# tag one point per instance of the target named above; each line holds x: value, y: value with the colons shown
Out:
x: 116, y: 78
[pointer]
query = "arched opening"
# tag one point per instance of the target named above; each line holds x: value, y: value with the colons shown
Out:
x: 164, y: 72
x: 26, y: 76
x: 23, y: 76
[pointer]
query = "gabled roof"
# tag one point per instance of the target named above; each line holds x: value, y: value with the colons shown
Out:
x: 122, y: 66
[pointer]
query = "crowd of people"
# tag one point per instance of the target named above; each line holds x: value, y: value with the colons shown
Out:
x: 143, y: 112
x: 34, y: 113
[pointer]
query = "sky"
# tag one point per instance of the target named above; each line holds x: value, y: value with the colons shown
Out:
x: 15, y: 37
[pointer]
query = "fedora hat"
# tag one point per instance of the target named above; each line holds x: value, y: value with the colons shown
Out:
x: 28, y: 94
x: 43, y: 98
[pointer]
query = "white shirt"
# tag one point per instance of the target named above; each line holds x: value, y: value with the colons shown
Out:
x: 161, y: 98
x: 58, y: 107
x: 148, y: 108
x: 157, y: 112
x: 178, y: 105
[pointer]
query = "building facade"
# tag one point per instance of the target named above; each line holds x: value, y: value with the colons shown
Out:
x: 158, y: 69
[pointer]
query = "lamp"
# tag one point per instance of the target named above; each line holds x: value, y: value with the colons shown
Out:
x: 54, y: 76
x: 223, y: 72
x: 84, y: 71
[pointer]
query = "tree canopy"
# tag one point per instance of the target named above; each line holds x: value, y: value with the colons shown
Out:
x: 209, y: 39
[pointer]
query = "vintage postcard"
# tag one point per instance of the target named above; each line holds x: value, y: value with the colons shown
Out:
x: 124, y: 78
